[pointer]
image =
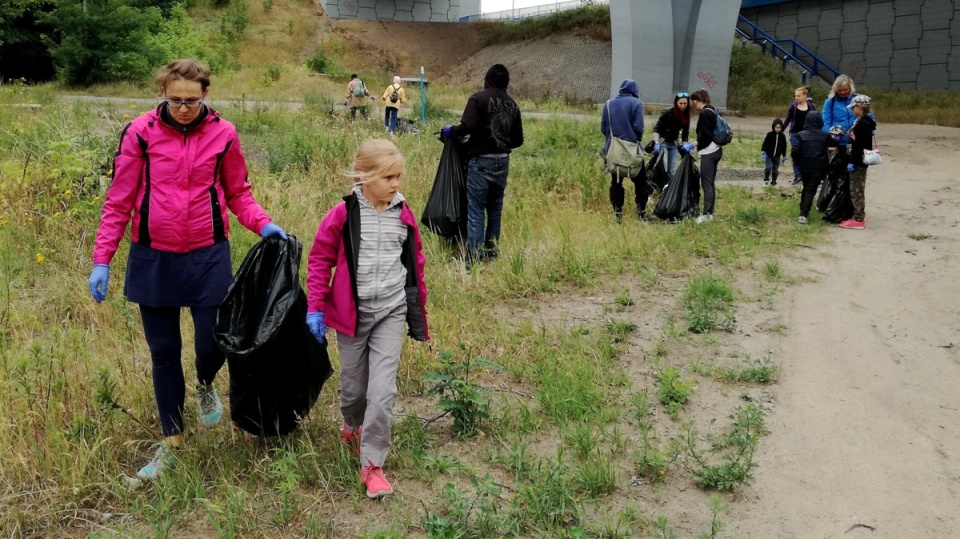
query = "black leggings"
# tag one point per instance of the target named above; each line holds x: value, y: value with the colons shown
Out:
x: 161, y: 326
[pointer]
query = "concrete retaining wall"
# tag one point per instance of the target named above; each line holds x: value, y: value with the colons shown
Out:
x: 898, y: 44
x: 398, y: 10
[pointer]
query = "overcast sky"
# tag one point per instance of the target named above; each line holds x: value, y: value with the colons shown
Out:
x: 501, y: 5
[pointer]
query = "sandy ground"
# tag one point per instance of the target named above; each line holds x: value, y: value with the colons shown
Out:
x: 865, y: 437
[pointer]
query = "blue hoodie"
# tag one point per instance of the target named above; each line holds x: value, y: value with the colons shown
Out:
x: 624, y: 119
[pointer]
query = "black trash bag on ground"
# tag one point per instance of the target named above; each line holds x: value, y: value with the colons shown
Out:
x: 681, y: 196
x: 657, y: 173
x: 827, y: 189
x: 445, y: 213
x: 277, y: 368
x: 840, y: 207
x: 405, y: 125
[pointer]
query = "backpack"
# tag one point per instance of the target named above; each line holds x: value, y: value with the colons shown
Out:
x: 722, y: 134
x: 624, y: 158
x: 359, y: 90
x: 394, y: 97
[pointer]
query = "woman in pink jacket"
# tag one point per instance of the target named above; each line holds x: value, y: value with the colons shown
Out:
x: 176, y: 171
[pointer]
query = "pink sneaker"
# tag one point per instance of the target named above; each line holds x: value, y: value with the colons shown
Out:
x: 352, y: 439
x: 377, y: 485
x: 854, y: 224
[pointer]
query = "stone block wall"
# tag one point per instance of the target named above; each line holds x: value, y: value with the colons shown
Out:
x: 898, y: 44
x: 394, y: 10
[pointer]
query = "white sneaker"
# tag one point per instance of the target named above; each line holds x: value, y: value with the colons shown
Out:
x: 802, y: 220
x: 704, y: 219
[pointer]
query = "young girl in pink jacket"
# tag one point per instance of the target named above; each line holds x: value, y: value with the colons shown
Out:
x: 176, y: 172
x: 373, y: 241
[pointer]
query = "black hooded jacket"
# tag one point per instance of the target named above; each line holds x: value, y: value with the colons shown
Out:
x: 491, y: 117
x: 810, y: 151
x: 775, y: 144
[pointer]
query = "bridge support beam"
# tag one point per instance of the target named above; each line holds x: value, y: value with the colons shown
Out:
x: 673, y: 45
x: 401, y: 10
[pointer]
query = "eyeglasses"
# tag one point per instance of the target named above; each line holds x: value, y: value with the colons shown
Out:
x: 176, y: 104
x: 683, y: 94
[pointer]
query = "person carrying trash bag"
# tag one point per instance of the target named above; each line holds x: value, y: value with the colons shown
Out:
x: 277, y: 368
x: 176, y: 171
x: 658, y: 174
x: 811, y: 154
x: 836, y: 169
x: 445, y: 213
x: 681, y: 196
x: 621, y: 123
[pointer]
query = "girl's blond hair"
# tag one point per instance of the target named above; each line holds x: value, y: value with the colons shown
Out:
x: 804, y: 89
x: 375, y: 158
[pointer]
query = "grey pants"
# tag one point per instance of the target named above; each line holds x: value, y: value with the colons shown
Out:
x: 368, y: 378
x: 708, y: 179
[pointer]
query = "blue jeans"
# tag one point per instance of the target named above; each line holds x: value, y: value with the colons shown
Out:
x: 672, y: 154
x: 486, y: 183
x: 390, y: 118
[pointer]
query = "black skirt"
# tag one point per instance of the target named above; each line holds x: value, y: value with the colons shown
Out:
x: 163, y: 279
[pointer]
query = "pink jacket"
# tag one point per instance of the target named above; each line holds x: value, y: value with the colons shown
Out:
x: 176, y: 187
x: 335, y: 245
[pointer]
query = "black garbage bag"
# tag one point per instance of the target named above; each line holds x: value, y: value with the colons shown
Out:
x: 445, y: 213
x: 657, y: 173
x: 840, y: 207
x: 277, y: 368
x: 828, y: 188
x: 681, y: 195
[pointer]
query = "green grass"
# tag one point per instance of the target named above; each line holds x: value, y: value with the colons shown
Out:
x: 565, y: 414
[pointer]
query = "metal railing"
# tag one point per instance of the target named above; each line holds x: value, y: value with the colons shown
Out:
x: 533, y: 11
x: 786, y: 50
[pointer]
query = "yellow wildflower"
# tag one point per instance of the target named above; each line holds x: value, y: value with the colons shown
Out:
x: 68, y: 192
x: 40, y: 258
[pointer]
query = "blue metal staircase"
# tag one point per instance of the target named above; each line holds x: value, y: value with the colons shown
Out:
x: 787, y: 50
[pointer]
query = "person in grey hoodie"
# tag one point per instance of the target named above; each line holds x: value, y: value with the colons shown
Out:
x: 622, y: 117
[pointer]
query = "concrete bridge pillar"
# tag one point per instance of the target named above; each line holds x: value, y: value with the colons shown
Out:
x: 671, y: 46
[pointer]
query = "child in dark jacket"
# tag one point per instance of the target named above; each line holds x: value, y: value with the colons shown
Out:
x: 773, y: 152
x: 811, y: 154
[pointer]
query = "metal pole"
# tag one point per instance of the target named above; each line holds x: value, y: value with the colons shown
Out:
x: 423, y: 100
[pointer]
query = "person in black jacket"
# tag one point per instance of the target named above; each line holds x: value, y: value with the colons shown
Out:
x: 710, y: 152
x: 673, y: 124
x: 773, y: 151
x: 811, y: 154
x: 861, y: 138
x: 492, y: 119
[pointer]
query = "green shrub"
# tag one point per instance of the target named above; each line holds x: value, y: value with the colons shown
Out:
x: 318, y: 62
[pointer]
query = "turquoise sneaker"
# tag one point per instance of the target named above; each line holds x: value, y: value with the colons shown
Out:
x: 163, y: 458
x: 211, y: 409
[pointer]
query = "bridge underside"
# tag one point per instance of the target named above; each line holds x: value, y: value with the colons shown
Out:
x: 667, y: 46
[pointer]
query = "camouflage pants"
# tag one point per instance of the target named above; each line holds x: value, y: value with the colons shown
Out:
x: 858, y: 182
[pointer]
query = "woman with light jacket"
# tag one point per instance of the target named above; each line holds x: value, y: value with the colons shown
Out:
x: 836, y: 109
x: 177, y: 170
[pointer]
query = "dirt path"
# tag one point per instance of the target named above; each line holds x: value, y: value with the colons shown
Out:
x: 865, y: 430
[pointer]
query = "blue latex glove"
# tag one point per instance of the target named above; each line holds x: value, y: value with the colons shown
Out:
x: 687, y: 147
x: 272, y: 230
x: 344, y: 103
x: 98, y: 280
x: 656, y: 148
x: 316, y: 326
x: 763, y: 155
x: 447, y: 131
x: 783, y: 160
x: 850, y: 167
